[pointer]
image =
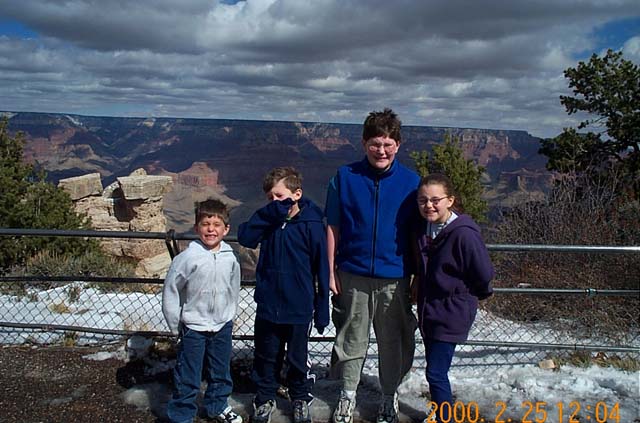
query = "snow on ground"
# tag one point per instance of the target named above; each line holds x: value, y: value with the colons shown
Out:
x: 497, y: 392
x: 498, y: 382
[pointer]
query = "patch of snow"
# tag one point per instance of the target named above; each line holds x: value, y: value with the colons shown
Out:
x: 482, y: 376
x: 74, y: 120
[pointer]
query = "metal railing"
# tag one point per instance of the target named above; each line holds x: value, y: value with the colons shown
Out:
x: 91, y: 309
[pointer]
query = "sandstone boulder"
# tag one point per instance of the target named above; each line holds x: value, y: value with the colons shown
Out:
x: 132, y: 203
x: 144, y: 187
x: 82, y: 186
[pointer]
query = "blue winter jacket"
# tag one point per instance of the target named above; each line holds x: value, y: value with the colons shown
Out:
x: 373, y: 212
x: 292, y: 276
x: 456, y: 273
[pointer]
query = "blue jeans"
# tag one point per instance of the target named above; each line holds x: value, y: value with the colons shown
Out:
x: 270, y: 339
x: 195, y: 350
x: 439, y: 355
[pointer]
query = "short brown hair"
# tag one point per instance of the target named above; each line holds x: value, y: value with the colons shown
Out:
x: 211, y: 207
x: 291, y: 178
x: 382, y: 124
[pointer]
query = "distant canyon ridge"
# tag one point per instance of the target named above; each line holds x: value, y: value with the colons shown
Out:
x: 227, y: 159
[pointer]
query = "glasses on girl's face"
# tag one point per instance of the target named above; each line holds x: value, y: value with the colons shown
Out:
x: 387, y: 147
x: 433, y: 200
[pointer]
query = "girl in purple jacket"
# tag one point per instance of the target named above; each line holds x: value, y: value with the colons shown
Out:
x: 454, y: 274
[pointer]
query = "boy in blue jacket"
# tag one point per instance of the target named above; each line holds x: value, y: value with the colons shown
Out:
x: 292, y: 289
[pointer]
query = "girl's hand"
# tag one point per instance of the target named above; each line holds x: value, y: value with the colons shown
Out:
x: 414, y: 289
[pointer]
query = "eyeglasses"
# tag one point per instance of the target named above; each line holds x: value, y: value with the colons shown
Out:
x: 433, y: 200
x: 388, y: 148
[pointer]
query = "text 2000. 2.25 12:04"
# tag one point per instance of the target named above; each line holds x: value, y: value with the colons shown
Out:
x: 530, y: 411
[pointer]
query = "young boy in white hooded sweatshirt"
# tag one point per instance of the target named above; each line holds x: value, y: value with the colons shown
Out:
x: 199, y: 303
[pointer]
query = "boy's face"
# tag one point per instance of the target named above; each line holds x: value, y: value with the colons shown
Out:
x: 280, y: 192
x: 381, y: 151
x: 211, y: 230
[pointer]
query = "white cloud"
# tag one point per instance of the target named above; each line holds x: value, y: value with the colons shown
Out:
x: 340, y: 114
x: 631, y: 49
x: 457, y: 89
x: 493, y: 64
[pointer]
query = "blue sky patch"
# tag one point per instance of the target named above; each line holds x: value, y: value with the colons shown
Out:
x: 615, y: 33
x: 15, y: 29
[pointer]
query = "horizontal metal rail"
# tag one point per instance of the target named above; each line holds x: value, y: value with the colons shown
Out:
x: 186, y: 236
x: 564, y: 248
x: 96, y: 234
x: 543, y: 346
x: 521, y: 345
x: 589, y: 292
x: 97, y: 279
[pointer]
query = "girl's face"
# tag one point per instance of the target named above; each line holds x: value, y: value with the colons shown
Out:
x: 434, y: 203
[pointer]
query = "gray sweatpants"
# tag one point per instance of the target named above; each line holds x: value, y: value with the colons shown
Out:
x: 387, y: 304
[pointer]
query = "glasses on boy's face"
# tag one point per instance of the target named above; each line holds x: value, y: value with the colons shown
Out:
x: 433, y: 200
x: 387, y: 147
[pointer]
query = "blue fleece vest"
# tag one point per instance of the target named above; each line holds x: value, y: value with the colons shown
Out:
x: 375, y: 215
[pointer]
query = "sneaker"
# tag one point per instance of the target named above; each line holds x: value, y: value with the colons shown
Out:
x: 431, y: 409
x: 388, y: 411
x: 228, y: 416
x: 262, y: 414
x: 301, y: 412
x: 344, y: 411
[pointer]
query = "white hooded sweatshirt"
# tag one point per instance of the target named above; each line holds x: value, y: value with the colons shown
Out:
x: 201, y: 288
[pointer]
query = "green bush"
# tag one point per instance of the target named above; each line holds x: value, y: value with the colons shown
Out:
x: 28, y: 201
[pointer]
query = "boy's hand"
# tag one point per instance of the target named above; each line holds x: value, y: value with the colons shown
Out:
x: 334, y: 283
x: 414, y: 290
x: 280, y: 208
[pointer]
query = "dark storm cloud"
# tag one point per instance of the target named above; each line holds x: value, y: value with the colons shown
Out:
x: 458, y: 63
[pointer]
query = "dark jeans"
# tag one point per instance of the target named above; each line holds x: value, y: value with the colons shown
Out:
x: 269, y: 340
x: 439, y: 355
x: 195, y: 350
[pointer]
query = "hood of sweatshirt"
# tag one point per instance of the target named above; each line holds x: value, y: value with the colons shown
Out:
x: 197, y: 245
x: 309, y: 211
x: 462, y: 221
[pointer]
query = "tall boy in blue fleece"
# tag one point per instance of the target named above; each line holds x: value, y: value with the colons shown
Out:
x: 292, y: 289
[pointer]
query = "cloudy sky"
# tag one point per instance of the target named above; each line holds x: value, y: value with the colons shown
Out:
x: 483, y: 64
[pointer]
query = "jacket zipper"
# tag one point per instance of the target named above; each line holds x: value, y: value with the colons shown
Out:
x: 215, y: 272
x: 279, y: 282
x: 376, y: 183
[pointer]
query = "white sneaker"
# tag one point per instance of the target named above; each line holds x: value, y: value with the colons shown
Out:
x: 344, y: 411
x: 431, y: 415
x: 388, y: 411
x: 228, y: 416
x: 301, y: 413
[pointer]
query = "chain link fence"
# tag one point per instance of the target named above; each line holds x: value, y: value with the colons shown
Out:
x: 77, y: 310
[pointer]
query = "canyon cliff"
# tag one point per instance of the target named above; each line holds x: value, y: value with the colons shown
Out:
x: 227, y: 159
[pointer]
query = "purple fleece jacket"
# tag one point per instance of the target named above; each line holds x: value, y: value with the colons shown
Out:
x: 456, y: 271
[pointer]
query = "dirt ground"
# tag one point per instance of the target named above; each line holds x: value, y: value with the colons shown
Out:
x: 55, y: 384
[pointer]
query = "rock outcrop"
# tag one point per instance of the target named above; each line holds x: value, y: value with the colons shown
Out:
x: 132, y: 203
x: 197, y: 183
